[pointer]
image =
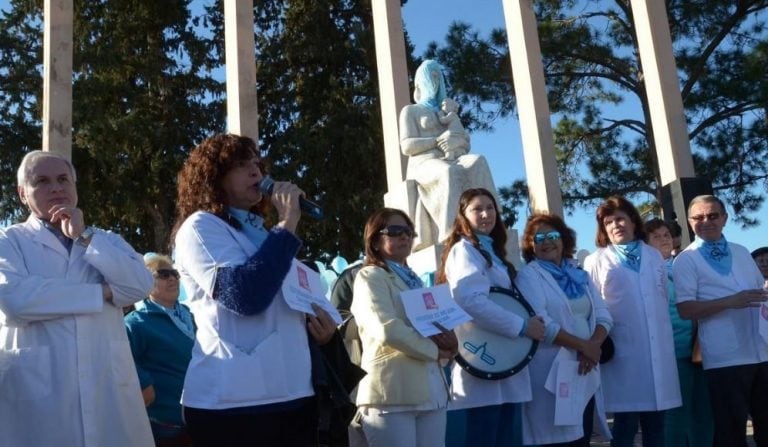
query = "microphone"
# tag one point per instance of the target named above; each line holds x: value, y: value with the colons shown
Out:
x: 311, y: 209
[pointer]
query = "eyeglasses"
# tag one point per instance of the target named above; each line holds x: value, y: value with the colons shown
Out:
x: 702, y: 217
x: 166, y: 273
x: 539, y: 238
x: 397, y: 230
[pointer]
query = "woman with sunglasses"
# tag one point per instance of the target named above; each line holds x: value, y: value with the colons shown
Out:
x: 249, y: 380
x: 403, y: 398
x: 474, y: 260
x: 576, y: 320
x: 161, y: 332
x: 640, y: 382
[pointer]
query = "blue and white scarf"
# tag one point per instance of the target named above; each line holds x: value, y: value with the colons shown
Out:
x: 571, y: 279
x: 486, y: 243
x: 717, y: 254
x: 252, y: 225
x: 409, y: 277
x: 629, y: 254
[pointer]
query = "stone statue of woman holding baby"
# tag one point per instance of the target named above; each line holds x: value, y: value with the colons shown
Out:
x: 438, y: 149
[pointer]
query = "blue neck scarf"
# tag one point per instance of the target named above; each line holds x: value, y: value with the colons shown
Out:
x: 252, y: 225
x: 629, y: 254
x: 409, y: 277
x: 180, y: 316
x: 717, y: 254
x: 571, y: 279
x: 486, y: 243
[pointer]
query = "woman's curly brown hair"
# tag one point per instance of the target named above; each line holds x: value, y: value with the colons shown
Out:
x: 200, y: 179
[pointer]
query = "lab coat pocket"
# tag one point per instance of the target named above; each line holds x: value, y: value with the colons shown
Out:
x: 25, y: 374
x: 723, y: 334
x: 255, y: 375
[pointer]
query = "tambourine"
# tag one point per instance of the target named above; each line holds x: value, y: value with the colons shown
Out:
x: 492, y: 356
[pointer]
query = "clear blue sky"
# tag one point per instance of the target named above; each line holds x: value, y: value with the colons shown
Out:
x: 428, y: 20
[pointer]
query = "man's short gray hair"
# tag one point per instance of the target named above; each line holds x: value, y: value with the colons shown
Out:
x: 706, y: 198
x: 22, y: 175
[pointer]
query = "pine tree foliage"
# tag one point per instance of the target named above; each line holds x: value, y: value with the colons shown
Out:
x: 319, y: 113
x: 148, y: 86
x: 143, y: 95
x: 593, y: 72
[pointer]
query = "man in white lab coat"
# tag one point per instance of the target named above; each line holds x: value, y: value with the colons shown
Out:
x: 66, y: 373
x: 718, y: 284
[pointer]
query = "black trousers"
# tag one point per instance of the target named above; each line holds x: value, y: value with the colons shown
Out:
x: 227, y: 428
x: 737, y: 392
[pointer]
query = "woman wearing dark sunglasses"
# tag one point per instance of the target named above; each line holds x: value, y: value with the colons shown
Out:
x: 474, y: 260
x: 161, y: 332
x: 403, y: 398
x: 576, y: 320
x: 640, y: 382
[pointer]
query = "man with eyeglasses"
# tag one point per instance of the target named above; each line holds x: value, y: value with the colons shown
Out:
x: 66, y: 373
x: 719, y: 285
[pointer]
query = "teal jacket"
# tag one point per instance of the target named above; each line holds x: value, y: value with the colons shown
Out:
x: 161, y: 352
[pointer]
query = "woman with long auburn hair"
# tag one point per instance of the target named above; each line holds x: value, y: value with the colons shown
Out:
x: 474, y: 260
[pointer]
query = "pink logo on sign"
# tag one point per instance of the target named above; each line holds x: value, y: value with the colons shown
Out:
x: 303, y: 280
x: 565, y: 391
x: 429, y: 300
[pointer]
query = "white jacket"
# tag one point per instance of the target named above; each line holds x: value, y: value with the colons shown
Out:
x: 66, y: 373
x: 470, y: 280
x: 550, y: 302
x: 642, y: 376
x: 237, y: 361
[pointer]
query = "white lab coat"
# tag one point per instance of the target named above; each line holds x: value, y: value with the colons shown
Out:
x: 67, y: 377
x: 470, y: 280
x: 550, y: 302
x: 237, y: 361
x: 642, y: 376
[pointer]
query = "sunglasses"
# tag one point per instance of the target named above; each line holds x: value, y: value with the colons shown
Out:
x: 701, y: 217
x: 166, y: 273
x: 539, y: 238
x: 397, y: 230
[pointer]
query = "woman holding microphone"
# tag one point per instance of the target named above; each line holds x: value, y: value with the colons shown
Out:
x: 249, y: 379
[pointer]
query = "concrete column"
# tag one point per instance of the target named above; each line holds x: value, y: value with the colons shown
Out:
x: 670, y: 130
x: 57, y: 77
x: 533, y: 108
x: 242, y: 109
x: 393, y: 82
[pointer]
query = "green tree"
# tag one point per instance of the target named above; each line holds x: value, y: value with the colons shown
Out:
x: 592, y: 69
x: 319, y: 113
x: 143, y: 95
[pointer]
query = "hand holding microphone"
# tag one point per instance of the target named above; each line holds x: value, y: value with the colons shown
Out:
x: 313, y: 210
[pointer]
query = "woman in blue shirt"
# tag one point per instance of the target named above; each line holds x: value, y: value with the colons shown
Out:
x: 161, y: 332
